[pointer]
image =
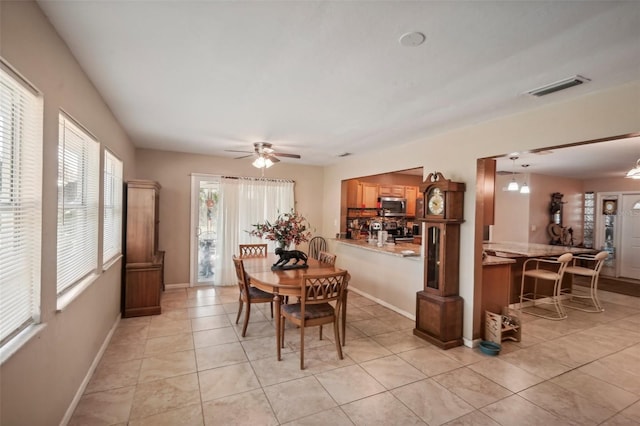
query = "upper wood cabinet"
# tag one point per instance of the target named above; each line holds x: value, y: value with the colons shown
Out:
x: 362, y: 194
x: 392, y: 191
x: 142, y: 221
x: 411, y: 194
x: 369, y: 195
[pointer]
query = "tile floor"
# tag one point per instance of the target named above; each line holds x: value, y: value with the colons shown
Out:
x: 189, y: 366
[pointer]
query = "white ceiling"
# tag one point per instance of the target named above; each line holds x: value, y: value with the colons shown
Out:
x: 322, y: 78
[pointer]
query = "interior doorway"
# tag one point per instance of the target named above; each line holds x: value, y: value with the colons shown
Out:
x: 204, y: 222
x: 630, y: 253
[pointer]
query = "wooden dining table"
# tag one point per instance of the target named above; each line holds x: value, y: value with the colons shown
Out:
x: 287, y: 282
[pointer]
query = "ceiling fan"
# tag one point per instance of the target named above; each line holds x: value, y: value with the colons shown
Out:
x: 266, y: 156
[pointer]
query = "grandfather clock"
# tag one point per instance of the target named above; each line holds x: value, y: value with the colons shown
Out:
x: 438, y: 306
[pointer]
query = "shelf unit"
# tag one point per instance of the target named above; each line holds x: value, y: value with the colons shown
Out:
x: 505, y: 326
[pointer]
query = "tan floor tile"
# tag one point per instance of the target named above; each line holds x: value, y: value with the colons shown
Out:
x: 220, y: 355
x: 322, y: 358
x: 633, y: 412
x: 505, y: 374
x: 476, y: 418
x: 250, y: 408
x: 166, y: 344
x: 217, y: 336
x: 206, y: 311
x: 173, y: 304
x: 365, y: 349
x: 465, y: 355
x: 430, y: 361
x: 123, y: 352
x: 399, y: 341
x: 392, y: 371
x: 167, y: 365
x: 537, y: 362
x: 135, y: 321
x: 176, y: 314
x: 620, y: 420
x: 348, y: 384
x: 357, y: 314
x: 262, y: 347
x: 616, y: 371
x: 565, y: 404
x: 333, y: 417
x: 255, y: 329
x: 380, y: 410
x: 372, y: 327
x: 298, y: 398
x: 203, y: 291
x: 516, y: 410
x: 164, y: 326
x: 227, y: 381
x: 130, y: 334
x: 598, y: 391
x: 474, y: 388
x: 208, y: 323
x: 270, y: 371
x: 431, y: 402
x: 191, y: 415
x: 104, y: 408
x: 203, y: 301
x: 164, y: 395
x: 114, y: 375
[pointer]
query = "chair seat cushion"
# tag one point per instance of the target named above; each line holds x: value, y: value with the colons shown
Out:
x: 256, y: 293
x: 320, y: 310
x: 542, y: 274
x: 579, y: 270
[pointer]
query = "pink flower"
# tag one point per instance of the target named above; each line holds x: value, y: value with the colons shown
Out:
x: 288, y: 228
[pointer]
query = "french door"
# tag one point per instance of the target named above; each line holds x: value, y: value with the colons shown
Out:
x: 204, y: 220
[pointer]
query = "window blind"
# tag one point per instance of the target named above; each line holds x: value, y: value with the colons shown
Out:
x: 20, y: 206
x: 112, y: 225
x: 78, y: 188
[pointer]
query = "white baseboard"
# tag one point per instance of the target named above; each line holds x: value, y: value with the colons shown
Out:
x: 176, y: 286
x: 383, y: 303
x: 76, y: 399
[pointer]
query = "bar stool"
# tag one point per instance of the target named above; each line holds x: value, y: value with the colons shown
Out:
x: 554, y: 275
x: 597, y: 262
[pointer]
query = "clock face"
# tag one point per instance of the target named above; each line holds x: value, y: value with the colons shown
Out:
x: 609, y: 207
x: 436, y: 202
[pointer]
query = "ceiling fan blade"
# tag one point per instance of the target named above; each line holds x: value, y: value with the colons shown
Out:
x: 283, y: 154
x: 273, y: 158
x: 244, y: 156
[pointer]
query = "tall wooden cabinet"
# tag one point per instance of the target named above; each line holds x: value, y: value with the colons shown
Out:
x: 144, y: 266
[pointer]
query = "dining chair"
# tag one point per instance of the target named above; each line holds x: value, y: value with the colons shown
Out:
x: 316, y: 245
x: 253, y: 250
x: 551, y: 270
x: 248, y: 294
x: 326, y: 257
x: 596, y: 262
x: 314, y: 308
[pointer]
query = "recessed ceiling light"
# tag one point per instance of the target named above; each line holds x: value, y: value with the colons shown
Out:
x: 412, y: 39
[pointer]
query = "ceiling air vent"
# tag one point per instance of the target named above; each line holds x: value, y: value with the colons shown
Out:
x: 558, y: 85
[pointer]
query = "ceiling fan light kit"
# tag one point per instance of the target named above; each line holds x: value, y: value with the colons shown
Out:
x: 265, y: 155
x: 634, y: 173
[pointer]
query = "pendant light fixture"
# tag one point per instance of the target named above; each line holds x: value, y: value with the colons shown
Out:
x: 634, y: 173
x: 513, y: 185
x: 524, y: 189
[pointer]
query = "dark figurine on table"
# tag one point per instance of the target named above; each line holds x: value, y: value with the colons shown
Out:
x: 288, y: 255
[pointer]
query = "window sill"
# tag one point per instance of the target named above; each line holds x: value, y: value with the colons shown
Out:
x: 108, y: 264
x: 14, y: 345
x: 68, y: 297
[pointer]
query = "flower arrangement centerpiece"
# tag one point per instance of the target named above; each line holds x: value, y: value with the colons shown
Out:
x: 288, y: 228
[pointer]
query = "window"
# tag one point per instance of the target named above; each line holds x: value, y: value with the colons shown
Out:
x: 588, y: 219
x: 78, y: 185
x: 112, y: 227
x: 20, y: 207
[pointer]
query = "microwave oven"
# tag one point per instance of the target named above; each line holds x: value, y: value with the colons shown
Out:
x: 392, y: 206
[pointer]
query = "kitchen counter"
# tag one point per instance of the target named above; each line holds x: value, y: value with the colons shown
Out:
x: 512, y: 249
x: 495, y: 260
x: 398, y: 249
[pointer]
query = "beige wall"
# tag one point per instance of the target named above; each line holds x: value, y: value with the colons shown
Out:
x: 511, y: 221
x: 38, y: 383
x: 613, y: 184
x: 173, y: 171
x: 604, y: 114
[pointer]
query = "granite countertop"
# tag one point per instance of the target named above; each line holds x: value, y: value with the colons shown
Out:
x: 398, y: 249
x: 495, y: 260
x: 514, y: 249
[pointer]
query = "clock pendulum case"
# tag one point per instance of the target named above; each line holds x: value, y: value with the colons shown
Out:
x: 438, y: 306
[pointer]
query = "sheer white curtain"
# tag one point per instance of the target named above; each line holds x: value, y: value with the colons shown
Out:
x: 243, y: 202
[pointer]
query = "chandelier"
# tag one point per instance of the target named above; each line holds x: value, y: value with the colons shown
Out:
x: 634, y: 173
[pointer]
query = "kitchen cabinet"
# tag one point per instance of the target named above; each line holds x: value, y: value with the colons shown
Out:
x: 392, y: 191
x: 369, y: 195
x: 144, y: 267
x: 411, y: 194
